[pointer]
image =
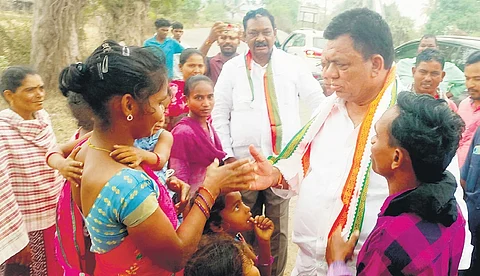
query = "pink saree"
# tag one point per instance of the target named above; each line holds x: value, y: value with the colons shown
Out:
x: 72, y: 241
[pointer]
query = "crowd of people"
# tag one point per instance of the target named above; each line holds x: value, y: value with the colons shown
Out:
x: 184, y: 164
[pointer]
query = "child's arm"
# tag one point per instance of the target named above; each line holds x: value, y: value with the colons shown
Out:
x: 164, y: 147
x: 263, y: 228
x: 133, y: 156
x: 62, y: 158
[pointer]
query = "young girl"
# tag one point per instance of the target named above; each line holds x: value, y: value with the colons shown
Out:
x: 220, y: 255
x: 195, y: 143
x: 192, y: 63
x: 229, y: 215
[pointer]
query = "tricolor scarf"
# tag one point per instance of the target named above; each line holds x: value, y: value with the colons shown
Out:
x: 294, y: 160
x: 271, y: 100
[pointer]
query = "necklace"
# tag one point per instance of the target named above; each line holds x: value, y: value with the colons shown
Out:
x: 95, y: 147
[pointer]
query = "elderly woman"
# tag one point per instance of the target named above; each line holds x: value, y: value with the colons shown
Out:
x: 28, y: 187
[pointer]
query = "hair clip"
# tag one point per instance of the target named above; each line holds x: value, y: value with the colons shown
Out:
x: 105, y: 64
x: 80, y: 67
x: 106, y: 47
x: 126, y: 51
x: 99, y: 70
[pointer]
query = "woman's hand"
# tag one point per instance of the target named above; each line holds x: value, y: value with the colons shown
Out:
x: 127, y: 155
x: 338, y: 249
x: 236, y: 176
x: 72, y: 170
x: 182, y: 189
x: 264, y: 171
x: 263, y: 228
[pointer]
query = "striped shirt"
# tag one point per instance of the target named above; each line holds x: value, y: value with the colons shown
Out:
x: 29, y: 189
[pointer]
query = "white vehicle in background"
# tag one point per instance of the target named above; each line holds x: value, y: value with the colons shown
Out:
x: 308, y: 44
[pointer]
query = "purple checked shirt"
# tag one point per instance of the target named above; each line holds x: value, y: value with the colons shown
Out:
x: 407, y: 245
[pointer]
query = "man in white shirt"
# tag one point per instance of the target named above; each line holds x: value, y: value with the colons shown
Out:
x: 328, y: 163
x: 257, y: 102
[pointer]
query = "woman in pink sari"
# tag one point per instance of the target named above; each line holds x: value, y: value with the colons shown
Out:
x: 131, y: 219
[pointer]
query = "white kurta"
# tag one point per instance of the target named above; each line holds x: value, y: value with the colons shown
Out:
x: 241, y: 120
x: 319, y: 202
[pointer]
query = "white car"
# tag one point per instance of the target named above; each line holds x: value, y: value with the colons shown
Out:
x: 308, y: 44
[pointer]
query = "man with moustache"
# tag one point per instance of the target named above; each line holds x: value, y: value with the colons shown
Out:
x: 469, y: 108
x: 428, y: 74
x: 257, y: 102
x: 328, y: 162
x: 228, y: 39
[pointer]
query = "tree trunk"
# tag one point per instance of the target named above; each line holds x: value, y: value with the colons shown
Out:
x: 126, y: 21
x: 54, y: 37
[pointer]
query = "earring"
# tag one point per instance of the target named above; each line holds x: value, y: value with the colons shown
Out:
x: 129, y: 117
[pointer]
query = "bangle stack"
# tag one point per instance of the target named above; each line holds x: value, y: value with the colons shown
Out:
x: 202, y: 202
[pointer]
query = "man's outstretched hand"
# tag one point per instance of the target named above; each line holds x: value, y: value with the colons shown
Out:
x: 265, y: 174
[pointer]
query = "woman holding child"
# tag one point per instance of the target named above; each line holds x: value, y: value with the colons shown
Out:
x: 130, y: 218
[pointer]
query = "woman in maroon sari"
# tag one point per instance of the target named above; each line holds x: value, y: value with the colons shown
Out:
x: 195, y: 142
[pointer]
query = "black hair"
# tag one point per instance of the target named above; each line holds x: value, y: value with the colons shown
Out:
x: 114, y: 70
x: 368, y: 30
x: 13, y: 77
x: 217, y: 255
x: 429, y: 131
x: 80, y: 110
x: 158, y: 52
x: 162, y: 22
x: 426, y: 36
x: 177, y: 25
x: 428, y: 55
x: 187, y: 53
x: 192, y: 82
x: 215, y: 217
x: 258, y: 12
x: 473, y: 58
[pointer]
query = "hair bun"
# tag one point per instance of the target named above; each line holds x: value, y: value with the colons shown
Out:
x: 73, y: 78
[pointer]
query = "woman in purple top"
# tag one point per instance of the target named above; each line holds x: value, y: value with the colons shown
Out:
x: 195, y: 142
x: 420, y: 229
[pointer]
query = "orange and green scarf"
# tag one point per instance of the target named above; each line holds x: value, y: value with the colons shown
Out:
x: 271, y: 100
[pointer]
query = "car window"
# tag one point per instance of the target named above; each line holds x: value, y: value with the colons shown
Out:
x: 461, y: 56
x: 448, y: 50
x: 299, y: 41
x: 319, y: 42
x: 406, y: 51
x: 289, y: 42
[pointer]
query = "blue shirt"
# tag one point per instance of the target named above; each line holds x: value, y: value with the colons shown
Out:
x: 471, y: 174
x: 169, y: 47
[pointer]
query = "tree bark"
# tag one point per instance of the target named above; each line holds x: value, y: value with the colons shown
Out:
x: 54, y: 37
x: 126, y: 21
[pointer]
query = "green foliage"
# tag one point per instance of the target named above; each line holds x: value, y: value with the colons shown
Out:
x: 459, y: 17
x: 215, y: 11
x: 184, y: 11
x: 15, y: 39
x: 402, y: 27
x: 285, y: 12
